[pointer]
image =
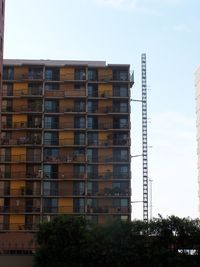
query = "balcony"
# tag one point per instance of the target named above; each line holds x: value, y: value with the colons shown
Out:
x: 63, y: 142
x: 29, y: 76
x: 19, y: 158
x: 21, y: 125
x: 107, y: 209
x: 65, y: 159
x: 30, y: 92
x: 109, y: 192
x: 108, y: 175
x: 25, y: 141
x: 20, y: 175
x: 109, y: 142
x: 21, y: 192
x: 22, y: 109
x: 21, y: 209
x: 107, y: 159
x: 18, y: 227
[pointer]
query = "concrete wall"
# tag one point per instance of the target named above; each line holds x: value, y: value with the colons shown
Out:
x: 16, y: 260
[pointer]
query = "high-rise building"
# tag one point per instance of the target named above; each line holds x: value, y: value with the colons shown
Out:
x: 65, y: 142
x: 2, y: 15
x: 197, y: 86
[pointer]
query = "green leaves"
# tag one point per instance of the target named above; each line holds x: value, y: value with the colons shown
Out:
x: 74, y: 242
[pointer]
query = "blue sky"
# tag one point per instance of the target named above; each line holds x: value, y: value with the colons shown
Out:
x: 118, y: 31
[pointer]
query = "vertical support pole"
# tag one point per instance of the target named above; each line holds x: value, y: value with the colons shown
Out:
x: 144, y: 138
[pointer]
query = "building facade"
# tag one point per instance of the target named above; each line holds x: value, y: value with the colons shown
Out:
x: 65, y: 142
x: 197, y: 96
x: 2, y: 15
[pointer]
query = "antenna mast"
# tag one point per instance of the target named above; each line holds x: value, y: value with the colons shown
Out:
x: 144, y: 139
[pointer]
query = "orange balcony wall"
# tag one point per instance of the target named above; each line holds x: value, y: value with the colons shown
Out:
x: 66, y: 105
x: 66, y: 138
x: 18, y: 154
x: 19, y: 118
x: 20, y: 88
x: 105, y: 169
x: 105, y: 74
x: 66, y: 121
x: 105, y: 90
x: 65, y: 205
x: 17, y: 222
x: 66, y: 74
x: 20, y: 73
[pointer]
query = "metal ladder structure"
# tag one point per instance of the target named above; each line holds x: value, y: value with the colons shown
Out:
x: 144, y: 139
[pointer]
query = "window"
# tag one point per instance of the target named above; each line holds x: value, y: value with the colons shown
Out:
x: 50, y: 171
x: 79, y: 171
x: 121, y: 123
x: 79, y: 86
x: 120, y: 106
x: 79, y: 205
x: 8, y: 73
x: 92, y: 188
x: 92, y: 106
x: 52, y: 74
x: 120, y: 75
x: 120, y: 90
x: 92, y: 75
x: 92, y: 138
x: 79, y: 188
x: 80, y: 74
x: 51, y: 86
x: 51, y: 138
x: 51, y: 154
x: 50, y: 205
x: 92, y: 122
x: 51, y: 106
x: 79, y: 138
x: 35, y: 73
x: 51, y: 122
x: 120, y: 202
x: 79, y: 122
x: 79, y: 106
x: 120, y: 155
x: 121, y: 171
x: 50, y: 188
x: 92, y: 155
x: 92, y: 171
x: 92, y: 90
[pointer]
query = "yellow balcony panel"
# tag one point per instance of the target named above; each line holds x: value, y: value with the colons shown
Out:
x: 66, y: 74
x: 105, y: 90
x: 105, y: 74
x: 20, y: 88
x: 65, y: 205
x: 20, y: 73
x: 17, y: 222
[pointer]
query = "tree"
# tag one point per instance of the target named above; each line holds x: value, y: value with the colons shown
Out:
x: 72, y: 241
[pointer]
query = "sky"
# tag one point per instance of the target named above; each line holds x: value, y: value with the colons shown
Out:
x: 118, y: 31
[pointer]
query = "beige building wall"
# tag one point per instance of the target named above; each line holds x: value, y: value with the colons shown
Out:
x: 197, y: 97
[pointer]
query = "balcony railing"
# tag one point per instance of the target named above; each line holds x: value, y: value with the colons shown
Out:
x: 29, y: 76
x: 36, y: 92
x: 21, y: 125
x: 19, y: 209
x: 22, y: 109
x: 19, y: 158
x: 18, y: 227
x: 21, y: 141
x: 20, y: 192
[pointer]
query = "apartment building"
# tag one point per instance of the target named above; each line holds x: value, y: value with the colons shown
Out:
x: 2, y: 15
x: 65, y: 142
